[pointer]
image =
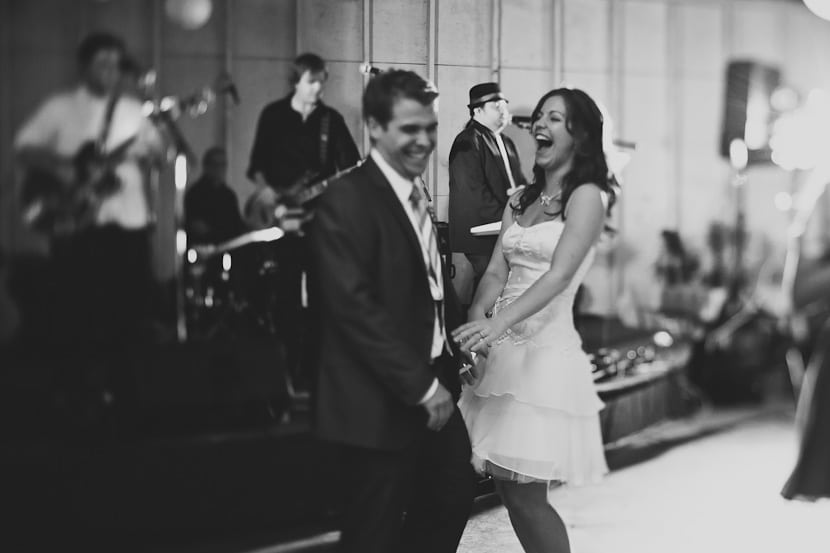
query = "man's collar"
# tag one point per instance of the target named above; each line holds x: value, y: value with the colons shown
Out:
x: 482, y: 126
x: 400, y: 184
x: 317, y: 107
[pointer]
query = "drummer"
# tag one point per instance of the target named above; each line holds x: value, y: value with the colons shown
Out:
x: 211, y: 207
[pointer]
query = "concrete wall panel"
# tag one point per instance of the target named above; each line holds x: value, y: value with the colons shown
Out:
x: 400, y: 31
x: 331, y: 29
x: 265, y: 28
x: 648, y: 199
x: 586, y: 35
x: 528, y: 30
x: 44, y: 26
x: 343, y: 92
x: 645, y: 40
x: 758, y: 33
x: 807, y: 50
x: 524, y: 87
x: 131, y: 19
x: 700, y: 40
x: 465, y: 33
x: 701, y: 114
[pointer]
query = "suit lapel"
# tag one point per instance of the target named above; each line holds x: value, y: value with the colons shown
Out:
x: 490, y: 140
x: 512, y: 159
x: 393, y: 206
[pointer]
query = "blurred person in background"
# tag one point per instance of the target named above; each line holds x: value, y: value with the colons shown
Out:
x: 211, y: 207
x: 85, y: 153
x: 484, y: 170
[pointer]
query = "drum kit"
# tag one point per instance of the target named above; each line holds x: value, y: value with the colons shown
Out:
x: 233, y: 285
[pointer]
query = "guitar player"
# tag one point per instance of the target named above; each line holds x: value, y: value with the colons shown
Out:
x: 100, y: 268
x: 299, y: 141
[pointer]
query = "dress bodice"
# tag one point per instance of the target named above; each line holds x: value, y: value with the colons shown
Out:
x: 528, y: 251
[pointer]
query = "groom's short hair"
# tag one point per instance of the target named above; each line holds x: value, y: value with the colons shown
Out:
x: 388, y: 86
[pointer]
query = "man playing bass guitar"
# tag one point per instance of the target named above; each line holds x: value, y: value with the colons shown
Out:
x: 88, y: 147
x: 299, y: 142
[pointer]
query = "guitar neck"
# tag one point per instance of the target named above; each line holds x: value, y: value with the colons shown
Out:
x: 311, y: 192
x: 314, y: 190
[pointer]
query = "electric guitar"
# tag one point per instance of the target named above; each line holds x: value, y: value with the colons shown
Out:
x: 57, y: 208
x: 286, y: 209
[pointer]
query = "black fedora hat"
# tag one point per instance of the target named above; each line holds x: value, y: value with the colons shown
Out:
x: 485, y: 92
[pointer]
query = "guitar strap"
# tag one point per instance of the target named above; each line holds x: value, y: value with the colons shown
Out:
x: 101, y: 142
x: 324, y: 138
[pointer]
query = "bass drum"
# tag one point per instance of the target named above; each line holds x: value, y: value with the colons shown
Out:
x: 237, y: 291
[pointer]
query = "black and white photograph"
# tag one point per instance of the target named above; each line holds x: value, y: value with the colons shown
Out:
x: 414, y: 276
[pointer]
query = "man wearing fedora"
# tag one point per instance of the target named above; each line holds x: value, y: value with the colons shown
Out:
x: 484, y: 171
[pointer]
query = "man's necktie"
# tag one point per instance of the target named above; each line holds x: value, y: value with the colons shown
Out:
x: 432, y: 261
x: 427, y: 230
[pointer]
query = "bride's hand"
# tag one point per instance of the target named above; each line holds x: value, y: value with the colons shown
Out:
x: 476, y: 336
x: 473, y: 314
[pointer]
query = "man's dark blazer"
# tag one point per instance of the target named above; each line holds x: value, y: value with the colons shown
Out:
x: 478, y: 186
x: 376, y: 316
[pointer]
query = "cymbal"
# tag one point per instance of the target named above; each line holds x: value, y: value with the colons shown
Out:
x: 262, y: 235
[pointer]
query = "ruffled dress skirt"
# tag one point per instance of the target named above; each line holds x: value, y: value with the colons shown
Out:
x: 533, y: 414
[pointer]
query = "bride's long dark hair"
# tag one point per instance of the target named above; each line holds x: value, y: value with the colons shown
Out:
x: 584, y: 122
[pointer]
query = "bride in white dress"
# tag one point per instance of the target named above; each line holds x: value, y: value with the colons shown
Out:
x: 532, y: 411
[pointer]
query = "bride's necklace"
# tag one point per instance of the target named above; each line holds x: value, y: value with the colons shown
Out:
x: 545, y: 200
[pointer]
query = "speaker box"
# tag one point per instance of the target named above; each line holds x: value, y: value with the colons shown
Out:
x: 748, y: 111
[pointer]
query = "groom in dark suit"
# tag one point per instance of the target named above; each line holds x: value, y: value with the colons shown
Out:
x: 388, y: 375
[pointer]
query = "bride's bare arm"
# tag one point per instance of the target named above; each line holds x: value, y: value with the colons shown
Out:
x: 495, y: 276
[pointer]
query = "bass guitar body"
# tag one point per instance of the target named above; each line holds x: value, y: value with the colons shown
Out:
x: 56, y: 208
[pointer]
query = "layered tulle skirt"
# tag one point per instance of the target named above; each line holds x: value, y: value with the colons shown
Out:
x: 533, y: 414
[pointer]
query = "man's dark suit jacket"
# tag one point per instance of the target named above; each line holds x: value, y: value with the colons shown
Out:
x: 376, y: 314
x: 478, y: 186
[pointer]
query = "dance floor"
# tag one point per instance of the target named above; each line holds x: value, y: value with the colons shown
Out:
x: 709, y: 482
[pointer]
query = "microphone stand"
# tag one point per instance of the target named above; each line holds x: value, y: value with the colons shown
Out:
x: 163, y: 115
x: 183, y: 155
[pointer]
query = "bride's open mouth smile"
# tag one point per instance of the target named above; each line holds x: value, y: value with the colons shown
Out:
x: 542, y: 141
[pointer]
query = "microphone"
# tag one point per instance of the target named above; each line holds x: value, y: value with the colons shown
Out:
x: 234, y: 93
x: 368, y: 69
x: 224, y: 84
x: 522, y: 121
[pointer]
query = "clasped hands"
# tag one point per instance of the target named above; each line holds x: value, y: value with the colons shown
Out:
x: 477, y: 336
x: 473, y: 339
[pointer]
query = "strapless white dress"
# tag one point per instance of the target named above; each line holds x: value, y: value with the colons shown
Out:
x: 533, y: 414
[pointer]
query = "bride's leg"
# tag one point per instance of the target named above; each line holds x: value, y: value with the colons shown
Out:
x: 538, y: 526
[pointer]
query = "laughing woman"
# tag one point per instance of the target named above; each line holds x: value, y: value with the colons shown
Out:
x: 532, y: 412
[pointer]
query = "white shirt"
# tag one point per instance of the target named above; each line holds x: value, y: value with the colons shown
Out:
x: 64, y: 122
x: 403, y: 188
x: 505, y: 159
